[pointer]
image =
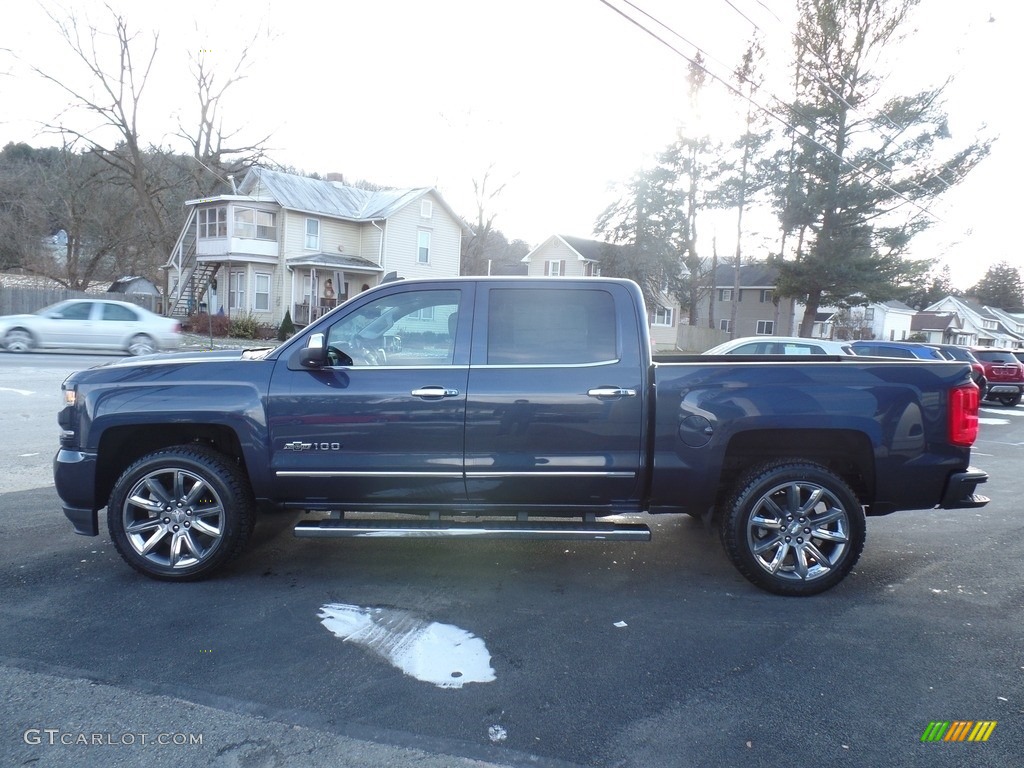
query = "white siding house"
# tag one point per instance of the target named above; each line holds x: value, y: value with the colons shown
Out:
x: 284, y: 242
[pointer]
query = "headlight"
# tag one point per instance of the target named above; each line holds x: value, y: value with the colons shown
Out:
x: 70, y: 397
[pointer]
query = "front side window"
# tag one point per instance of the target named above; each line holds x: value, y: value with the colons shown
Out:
x: 313, y: 234
x: 423, y: 247
x: 415, y: 328
x: 550, y: 327
x: 213, y: 222
x: 79, y: 310
x: 261, y: 292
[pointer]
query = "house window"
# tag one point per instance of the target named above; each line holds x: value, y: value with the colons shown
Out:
x: 765, y: 328
x: 426, y: 209
x: 213, y: 222
x: 766, y: 295
x: 312, y: 234
x: 663, y: 316
x: 591, y: 269
x: 254, y: 224
x: 725, y: 325
x: 725, y: 294
x: 554, y: 268
x: 423, y: 247
x: 869, y: 314
x: 261, y: 292
x: 236, y: 290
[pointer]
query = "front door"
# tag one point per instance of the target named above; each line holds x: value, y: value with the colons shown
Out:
x: 382, y: 426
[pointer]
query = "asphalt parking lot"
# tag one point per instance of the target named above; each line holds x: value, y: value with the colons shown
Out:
x: 654, y: 654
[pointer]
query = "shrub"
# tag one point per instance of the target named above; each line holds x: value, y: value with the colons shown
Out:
x: 287, y: 329
x: 202, y: 323
x: 245, y: 327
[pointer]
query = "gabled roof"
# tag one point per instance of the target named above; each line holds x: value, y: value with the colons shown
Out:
x: 586, y: 250
x: 751, y: 276
x: 935, y: 321
x: 897, y: 305
x: 332, y: 198
x: 977, y: 314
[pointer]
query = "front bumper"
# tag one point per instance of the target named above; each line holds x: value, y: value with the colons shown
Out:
x: 74, y: 476
x: 960, y: 490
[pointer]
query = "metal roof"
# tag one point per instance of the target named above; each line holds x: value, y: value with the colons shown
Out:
x: 332, y: 198
x: 332, y: 261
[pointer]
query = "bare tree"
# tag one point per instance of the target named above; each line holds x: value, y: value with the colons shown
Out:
x: 475, y: 247
x: 118, y: 69
x: 213, y: 149
x: 114, y: 97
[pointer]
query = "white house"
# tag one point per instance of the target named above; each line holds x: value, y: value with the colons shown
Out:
x: 985, y: 326
x: 287, y: 242
x: 567, y: 256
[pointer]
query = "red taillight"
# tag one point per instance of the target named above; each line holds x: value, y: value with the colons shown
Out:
x: 177, y: 328
x: 963, y: 415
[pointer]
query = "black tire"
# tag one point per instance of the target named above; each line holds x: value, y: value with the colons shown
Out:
x: 1009, y: 400
x: 793, y: 527
x: 142, y: 344
x: 19, y: 340
x: 180, y: 514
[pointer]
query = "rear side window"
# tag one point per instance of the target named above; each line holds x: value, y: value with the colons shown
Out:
x: 117, y: 312
x: 550, y: 327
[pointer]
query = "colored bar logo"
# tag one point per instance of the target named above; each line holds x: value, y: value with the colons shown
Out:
x: 959, y: 730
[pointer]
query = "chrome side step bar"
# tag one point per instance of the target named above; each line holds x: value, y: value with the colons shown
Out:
x: 397, y: 529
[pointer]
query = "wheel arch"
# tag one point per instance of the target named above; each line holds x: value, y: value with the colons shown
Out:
x: 847, y: 453
x: 121, y: 446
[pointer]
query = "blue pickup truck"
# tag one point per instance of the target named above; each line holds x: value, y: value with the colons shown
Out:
x: 510, y: 407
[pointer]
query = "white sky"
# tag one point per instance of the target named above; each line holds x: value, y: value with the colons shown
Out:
x: 559, y: 99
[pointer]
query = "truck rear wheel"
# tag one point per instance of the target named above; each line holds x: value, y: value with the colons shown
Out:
x: 793, y: 527
x: 179, y: 514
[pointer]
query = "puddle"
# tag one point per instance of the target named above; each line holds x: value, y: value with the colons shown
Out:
x: 442, y: 654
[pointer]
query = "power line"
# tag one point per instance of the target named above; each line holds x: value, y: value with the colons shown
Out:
x: 813, y: 75
x: 751, y: 100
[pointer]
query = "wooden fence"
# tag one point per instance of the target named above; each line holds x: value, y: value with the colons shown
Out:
x: 19, y: 301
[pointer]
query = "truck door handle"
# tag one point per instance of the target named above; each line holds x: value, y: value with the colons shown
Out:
x: 610, y: 392
x: 434, y: 392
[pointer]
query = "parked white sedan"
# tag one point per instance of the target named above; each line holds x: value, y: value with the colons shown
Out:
x: 780, y: 345
x: 94, y: 324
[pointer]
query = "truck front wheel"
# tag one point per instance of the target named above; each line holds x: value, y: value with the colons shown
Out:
x: 179, y: 514
x: 793, y: 527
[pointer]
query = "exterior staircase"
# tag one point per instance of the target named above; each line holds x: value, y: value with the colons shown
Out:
x: 190, y: 279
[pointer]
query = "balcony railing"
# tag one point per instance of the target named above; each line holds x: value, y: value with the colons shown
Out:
x: 304, y: 314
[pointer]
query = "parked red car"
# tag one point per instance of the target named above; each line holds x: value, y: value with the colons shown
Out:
x: 1004, y: 373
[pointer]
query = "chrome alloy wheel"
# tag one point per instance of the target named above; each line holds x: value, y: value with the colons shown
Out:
x: 18, y: 340
x: 141, y: 344
x: 798, y: 531
x: 173, y: 518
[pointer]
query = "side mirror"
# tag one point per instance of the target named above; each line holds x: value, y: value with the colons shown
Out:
x: 314, y: 354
